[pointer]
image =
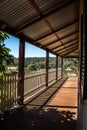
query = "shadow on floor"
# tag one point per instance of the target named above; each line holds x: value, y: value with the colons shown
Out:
x: 33, y: 119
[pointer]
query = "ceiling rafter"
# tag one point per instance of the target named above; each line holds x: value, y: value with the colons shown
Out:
x: 68, y: 49
x: 74, y: 40
x: 35, y: 7
x: 58, y: 29
x: 70, y: 46
x: 65, y: 54
x: 47, y: 45
x: 64, y: 4
x: 47, y: 22
x: 40, y: 13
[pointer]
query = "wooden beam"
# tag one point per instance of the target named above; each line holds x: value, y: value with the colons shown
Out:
x: 66, y: 43
x: 70, y: 51
x: 46, y: 20
x: 67, y: 49
x: 70, y: 44
x: 47, y: 66
x: 73, y: 56
x: 35, y: 7
x: 21, y: 71
x: 47, y: 45
x: 59, y: 7
x: 57, y: 30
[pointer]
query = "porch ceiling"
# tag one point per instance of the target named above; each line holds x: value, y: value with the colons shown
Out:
x: 48, y: 24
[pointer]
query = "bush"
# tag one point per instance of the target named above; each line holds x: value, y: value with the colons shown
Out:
x: 31, y: 67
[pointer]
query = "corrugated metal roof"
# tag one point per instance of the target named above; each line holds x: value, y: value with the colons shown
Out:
x: 49, y: 24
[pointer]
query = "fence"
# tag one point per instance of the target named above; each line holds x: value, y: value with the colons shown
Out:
x: 36, y: 81
x: 32, y: 83
x: 52, y: 76
x: 8, y: 92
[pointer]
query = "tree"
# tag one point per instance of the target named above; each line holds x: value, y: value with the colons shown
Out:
x: 41, y: 65
x: 31, y: 67
x: 5, y: 57
x: 70, y: 63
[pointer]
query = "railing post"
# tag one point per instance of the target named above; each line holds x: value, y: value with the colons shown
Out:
x: 47, y: 66
x: 21, y: 71
x: 57, y: 67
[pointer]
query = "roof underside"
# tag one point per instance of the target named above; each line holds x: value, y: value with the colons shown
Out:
x: 49, y: 24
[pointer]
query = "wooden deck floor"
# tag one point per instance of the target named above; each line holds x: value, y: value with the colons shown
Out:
x: 53, y: 109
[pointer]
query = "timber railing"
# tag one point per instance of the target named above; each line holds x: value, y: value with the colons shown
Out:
x: 8, y: 92
x: 33, y: 83
x: 52, y: 76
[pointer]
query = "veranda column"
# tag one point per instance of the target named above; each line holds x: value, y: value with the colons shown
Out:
x: 85, y: 47
x: 47, y: 66
x: 21, y: 71
x: 61, y: 67
x: 57, y: 67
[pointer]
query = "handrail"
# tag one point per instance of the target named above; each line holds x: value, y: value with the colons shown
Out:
x: 34, y: 75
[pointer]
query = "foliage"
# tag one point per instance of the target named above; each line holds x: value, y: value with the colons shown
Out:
x: 31, y: 67
x: 3, y: 36
x: 39, y: 62
x: 5, y: 57
x: 70, y: 63
x: 41, y: 65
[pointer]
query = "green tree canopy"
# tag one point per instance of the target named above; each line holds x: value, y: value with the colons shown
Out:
x: 5, y: 57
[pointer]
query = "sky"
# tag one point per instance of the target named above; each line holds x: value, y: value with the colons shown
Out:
x: 30, y: 51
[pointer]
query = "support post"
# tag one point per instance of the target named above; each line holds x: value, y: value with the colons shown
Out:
x: 85, y: 48
x: 56, y: 67
x: 81, y: 55
x: 61, y: 67
x: 47, y: 66
x: 21, y: 71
